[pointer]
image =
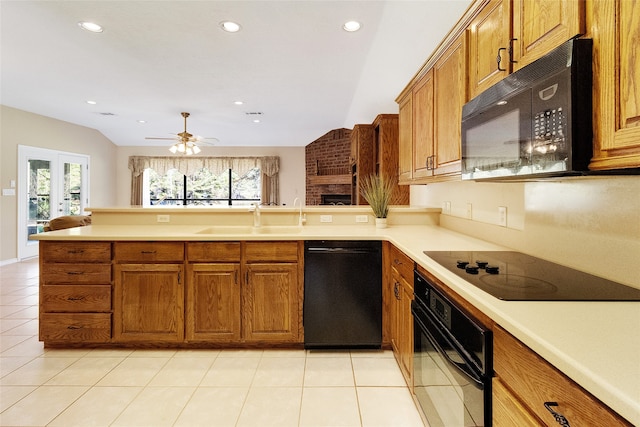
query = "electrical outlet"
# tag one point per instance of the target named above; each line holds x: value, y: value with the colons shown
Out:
x: 502, y: 216
x: 446, y: 208
x: 362, y: 218
x: 326, y: 218
x: 163, y: 218
x: 469, y: 211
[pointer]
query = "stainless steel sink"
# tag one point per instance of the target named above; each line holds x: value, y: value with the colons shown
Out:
x: 247, y: 229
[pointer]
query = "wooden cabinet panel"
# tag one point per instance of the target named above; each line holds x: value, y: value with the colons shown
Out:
x: 405, y: 139
x: 423, y: 136
x: 450, y: 92
x: 535, y: 382
x: 271, y: 251
x: 75, y: 327
x: 148, y: 251
x: 76, y: 298
x: 271, y: 298
x: 541, y: 25
x: 363, y: 161
x: 75, y: 273
x: 400, y: 281
x: 507, y: 409
x: 213, y: 302
x: 385, y: 137
x: 615, y: 29
x: 488, y: 38
x: 149, y: 302
x: 213, y: 251
x: 75, y: 252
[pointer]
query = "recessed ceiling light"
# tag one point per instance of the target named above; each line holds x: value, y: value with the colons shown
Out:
x: 351, y: 26
x: 230, y: 26
x: 90, y: 26
x: 142, y: 121
x: 91, y: 102
x: 256, y: 121
x: 238, y: 102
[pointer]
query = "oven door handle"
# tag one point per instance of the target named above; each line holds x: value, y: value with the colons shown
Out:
x: 463, y: 368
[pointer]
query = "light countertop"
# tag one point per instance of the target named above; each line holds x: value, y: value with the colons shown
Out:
x: 597, y: 344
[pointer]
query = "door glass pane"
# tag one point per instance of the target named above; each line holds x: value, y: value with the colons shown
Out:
x: 72, y: 185
x: 39, y: 195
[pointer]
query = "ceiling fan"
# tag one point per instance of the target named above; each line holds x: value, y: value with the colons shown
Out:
x: 186, y: 143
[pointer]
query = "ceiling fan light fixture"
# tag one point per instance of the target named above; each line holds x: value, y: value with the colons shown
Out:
x: 196, y: 149
x: 174, y: 148
x: 90, y: 26
x: 230, y: 26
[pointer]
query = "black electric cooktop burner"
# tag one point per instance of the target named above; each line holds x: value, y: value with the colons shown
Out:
x: 514, y: 276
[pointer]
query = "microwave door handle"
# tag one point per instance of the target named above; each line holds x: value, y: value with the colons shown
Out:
x: 463, y: 368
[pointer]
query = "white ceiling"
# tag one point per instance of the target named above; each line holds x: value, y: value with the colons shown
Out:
x: 291, y: 61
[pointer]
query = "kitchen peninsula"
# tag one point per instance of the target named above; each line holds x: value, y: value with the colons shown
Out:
x: 588, y: 341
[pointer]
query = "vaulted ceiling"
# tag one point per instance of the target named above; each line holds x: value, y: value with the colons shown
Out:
x: 292, y: 65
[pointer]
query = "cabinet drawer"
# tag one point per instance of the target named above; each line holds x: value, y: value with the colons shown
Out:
x: 75, y: 252
x: 535, y: 382
x: 213, y: 251
x: 75, y: 273
x: 271, y: 251
x: 76, y: 298
x: 75, y: 327
x: 402, y: 264
x: 149, y: 251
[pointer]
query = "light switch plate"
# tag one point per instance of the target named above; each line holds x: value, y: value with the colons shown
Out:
x: 362, y: 218
x: 163, y: 218
x: 326, y: 218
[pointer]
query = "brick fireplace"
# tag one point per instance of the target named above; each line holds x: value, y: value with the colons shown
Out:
x: 327, y: 167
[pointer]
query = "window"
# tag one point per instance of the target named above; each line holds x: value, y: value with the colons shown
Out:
x: 202, y: 188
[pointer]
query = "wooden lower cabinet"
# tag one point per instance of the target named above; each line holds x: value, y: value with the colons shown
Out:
x: 271, y: 302
x: 526, y: 388
x: 400, y: 281
x: 213, y: 311
x: 75, y: 292
x: 148, y: 302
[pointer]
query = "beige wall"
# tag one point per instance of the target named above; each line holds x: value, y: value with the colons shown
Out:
x: 292, y: 171
x: 22, y: 128
x: 592, y: 224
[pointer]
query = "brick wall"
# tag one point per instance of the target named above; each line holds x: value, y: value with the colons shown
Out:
x: 330, y: 153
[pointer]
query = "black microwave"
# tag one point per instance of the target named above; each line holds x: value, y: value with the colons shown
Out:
x: 536, y: 122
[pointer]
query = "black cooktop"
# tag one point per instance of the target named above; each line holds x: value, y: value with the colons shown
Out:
x: 514, y: 276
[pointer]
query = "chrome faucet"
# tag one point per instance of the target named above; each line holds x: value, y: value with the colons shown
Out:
x: 301, y: 219
x: 255, y: 208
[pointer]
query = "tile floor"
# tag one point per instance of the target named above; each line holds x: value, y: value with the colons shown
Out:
x: 47, y: 387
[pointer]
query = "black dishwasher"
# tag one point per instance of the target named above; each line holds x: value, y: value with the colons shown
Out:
x: 342, y: 294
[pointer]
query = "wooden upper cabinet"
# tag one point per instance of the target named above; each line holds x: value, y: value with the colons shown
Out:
x: 615, y: 29
x: 362, y: 162
x: 489, y: 40
x: 405, y: 139
x: 500, y: 44
x: 541, y: 25
x: 450, y: 93
x: 423, y: 138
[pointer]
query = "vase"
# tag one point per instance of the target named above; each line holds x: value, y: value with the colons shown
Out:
x: 381, y: 222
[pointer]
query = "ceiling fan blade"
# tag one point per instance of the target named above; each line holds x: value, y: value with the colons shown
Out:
x: 165, y: 139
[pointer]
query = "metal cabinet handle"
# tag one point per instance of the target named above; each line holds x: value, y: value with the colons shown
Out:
x: 74, y: 327
x: 511, y: 51
x: 560, y: 419
x: 76, y: 251
x: 396, y: 290
x: 75, y: 273
x: 499, y: 58
x: 147, y: 252
x: 75, y: 298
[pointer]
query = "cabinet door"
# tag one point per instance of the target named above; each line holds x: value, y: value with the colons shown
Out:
x: 423, y: 126
x: 489, y: 35
x: 541, y: 25
x: 405, y: 139
x: 405, y: 339
x: 615, y: 29
x: 507, y: 409
x: 213, y: 302
x: 271, y: 302
x: 450, y: 93
x: 148, y: 302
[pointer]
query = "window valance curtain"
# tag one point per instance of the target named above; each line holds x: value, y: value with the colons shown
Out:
x: 269, y: 167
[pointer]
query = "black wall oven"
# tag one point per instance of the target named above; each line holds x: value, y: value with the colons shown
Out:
x: 452, y: 366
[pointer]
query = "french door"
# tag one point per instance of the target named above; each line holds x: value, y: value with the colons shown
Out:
x: 50, y: 184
